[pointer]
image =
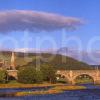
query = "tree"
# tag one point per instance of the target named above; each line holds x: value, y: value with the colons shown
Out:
x: 3, y: 76
x: 27, y: 75
x: 49, y: 73
x: 39, y: 76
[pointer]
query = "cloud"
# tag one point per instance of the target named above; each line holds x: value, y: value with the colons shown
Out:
x: 20, y: 20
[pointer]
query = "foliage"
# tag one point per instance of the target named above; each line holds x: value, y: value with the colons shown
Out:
x: 39, y: 76
x: 3, y: 76
x: 29, y: 75
x: 49, y: 73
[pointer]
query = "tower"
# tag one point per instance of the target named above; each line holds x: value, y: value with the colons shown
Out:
x: 13, y: 61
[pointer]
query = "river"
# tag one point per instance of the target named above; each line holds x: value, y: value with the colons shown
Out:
x: 91, y: 93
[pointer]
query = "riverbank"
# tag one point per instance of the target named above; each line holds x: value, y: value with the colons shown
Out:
x: 19, y: 85
x: 53, y: 90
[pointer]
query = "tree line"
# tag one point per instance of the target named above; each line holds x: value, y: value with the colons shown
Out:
x: 31, y: 75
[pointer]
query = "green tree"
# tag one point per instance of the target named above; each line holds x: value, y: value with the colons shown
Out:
x: 3, y: 76
x: 49, y: 73
x: 39, y: 76
x: 30, y: 75
x: 27, y: 75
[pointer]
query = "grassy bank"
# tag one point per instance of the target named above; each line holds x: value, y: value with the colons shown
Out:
x: 19, y: 85
x: 64, y: 88
x: 54, y: 90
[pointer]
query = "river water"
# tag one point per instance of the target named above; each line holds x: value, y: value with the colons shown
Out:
x: 91, y: 93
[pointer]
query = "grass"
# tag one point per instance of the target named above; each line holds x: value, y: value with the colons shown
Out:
x: 54, y: 90
x: 51, y: 91
x: 83, y: 81
x: 64, y: 88
x: 15, y: 84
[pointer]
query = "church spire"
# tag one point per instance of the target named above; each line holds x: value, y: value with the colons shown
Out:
x: 13, y: 61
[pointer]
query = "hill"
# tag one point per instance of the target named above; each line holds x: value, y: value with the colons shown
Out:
x: 83, y: 56
x: 56, y: 60
x: 59, y: 62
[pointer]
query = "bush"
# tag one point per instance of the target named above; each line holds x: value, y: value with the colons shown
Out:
x: 3, y: 76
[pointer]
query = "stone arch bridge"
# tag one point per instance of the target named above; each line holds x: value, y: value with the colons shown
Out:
x: 71, y: 75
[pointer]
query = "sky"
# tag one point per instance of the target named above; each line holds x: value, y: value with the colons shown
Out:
x: 84, y: 37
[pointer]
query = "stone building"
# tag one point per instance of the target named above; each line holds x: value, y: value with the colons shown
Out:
x: 8, y: 65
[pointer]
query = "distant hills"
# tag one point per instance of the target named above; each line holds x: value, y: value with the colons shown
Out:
x: 59, y: 62
x: 92, y: 58
x: 56, y: 60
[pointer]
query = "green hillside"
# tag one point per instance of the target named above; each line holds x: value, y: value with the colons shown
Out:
x: 59, y: 62
x: 55, y: 60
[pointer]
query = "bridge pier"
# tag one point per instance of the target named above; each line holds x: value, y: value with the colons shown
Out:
x: 97, y: 81
x: 71, y: 79
x: 72, y: 82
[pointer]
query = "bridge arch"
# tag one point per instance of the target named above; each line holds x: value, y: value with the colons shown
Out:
x: 71, y: 75
x: 12, y: 74
x: 84, y: 78
x: 63, y: 76
x: 10, y: 77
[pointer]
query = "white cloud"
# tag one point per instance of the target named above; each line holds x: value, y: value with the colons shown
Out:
x: 20, y: 20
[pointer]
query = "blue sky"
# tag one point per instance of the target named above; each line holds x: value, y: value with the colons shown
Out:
x: 87, y: 10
